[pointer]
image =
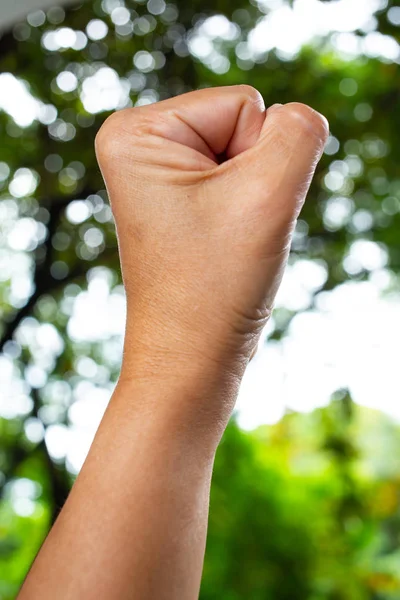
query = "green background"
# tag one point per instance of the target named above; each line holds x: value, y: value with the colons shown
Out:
x: 307, y: 508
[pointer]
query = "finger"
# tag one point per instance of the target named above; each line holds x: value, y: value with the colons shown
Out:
x: 282, y: 162
x: 212, y: 121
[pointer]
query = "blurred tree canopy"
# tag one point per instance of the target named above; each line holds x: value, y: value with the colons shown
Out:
x: 308, y: 508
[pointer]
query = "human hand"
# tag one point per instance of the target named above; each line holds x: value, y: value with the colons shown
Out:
x: 203, y: 246
x: 205, y: 189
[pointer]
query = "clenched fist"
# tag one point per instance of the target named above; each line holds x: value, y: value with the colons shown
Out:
x: 205, y: 190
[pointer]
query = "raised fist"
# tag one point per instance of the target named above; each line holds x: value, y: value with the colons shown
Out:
x: 205, y: 189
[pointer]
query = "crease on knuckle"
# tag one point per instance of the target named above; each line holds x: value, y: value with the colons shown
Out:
x: 147, y: 125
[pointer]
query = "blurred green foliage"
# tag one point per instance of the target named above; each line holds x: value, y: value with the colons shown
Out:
x: 308, y: 508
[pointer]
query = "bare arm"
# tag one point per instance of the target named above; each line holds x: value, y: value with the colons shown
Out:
x: 203, y: 246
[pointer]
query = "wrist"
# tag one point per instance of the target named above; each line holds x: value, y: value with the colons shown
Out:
x: 194, y: 393
x: 161, y: 347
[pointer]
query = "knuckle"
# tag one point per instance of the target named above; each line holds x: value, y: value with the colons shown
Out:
x: 251, y: 93
x: 307, y: 120
x: 107, y: 141
x: 135, y: 123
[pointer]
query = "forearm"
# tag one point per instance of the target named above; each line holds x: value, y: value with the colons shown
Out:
x: 135, y: 523
x: 203, y: 246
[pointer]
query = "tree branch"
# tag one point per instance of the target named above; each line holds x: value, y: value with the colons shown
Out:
x: 8, y: 43
x: 44, y: 281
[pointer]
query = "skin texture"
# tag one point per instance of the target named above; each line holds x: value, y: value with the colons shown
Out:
x: 205, y: 190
